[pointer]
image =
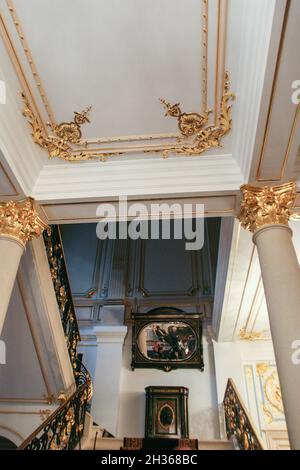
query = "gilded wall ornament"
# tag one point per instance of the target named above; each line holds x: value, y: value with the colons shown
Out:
x: 20, y: 220
x: 262, y: 368
x: 266, y: 205
x: 272, y: 392
x: 196, y: 135
x: 44, y: 414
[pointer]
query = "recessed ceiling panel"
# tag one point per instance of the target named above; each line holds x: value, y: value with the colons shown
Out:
x: 121, y: 57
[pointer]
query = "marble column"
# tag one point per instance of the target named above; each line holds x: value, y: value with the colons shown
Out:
x: 19, y: 223
x: 105, y: 404
x: 266, y: 211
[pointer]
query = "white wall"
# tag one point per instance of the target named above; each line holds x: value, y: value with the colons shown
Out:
x: 18, y: 421
x: 229, y: 361
x: 252, y: 367
x: 203, y: 410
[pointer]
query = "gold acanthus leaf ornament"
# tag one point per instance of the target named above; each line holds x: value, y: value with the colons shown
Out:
x: 268, y: 205
x: 59, y: 144
x: 196, y: 135
x: 20, y: 220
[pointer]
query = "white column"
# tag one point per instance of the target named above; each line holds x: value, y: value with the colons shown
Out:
x: 281, y: 277
x: 266, y: 212
x: 19, y: 223
x: 105, y: 404
x: 11, y: 251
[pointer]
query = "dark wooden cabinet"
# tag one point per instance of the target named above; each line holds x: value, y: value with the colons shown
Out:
x: 167, y: 412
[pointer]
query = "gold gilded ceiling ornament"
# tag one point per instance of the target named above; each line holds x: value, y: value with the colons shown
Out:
x: 253, y: 335
x: 266, y: 205
x: 20, y: 220
x: 59, y: 145
x: 196, y: 135
x: 71, y: 131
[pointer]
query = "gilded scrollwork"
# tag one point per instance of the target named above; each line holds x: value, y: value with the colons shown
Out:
x: 58, y: 145
x: 65, y: 141
x: 196, y: 135
x: 272, y: 392
x: 71, y: 131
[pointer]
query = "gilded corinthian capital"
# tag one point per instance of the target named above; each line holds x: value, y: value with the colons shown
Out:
x: 266, y: 205
x: 20, y: 220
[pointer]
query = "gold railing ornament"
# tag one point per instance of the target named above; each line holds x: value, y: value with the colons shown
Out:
x: 20, y: 220
x: 268, y: 205
x: 238, y: 421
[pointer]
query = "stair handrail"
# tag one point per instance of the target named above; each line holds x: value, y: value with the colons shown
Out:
x: 63, y: 429
x: 238, y: 420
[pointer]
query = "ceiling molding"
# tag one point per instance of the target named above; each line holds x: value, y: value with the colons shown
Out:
x: 222, y: 205
x: 277, y: 140
x: 88, y: 148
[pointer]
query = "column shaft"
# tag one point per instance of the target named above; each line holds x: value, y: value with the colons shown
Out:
x: 11, y: 251
x: 281, y: 277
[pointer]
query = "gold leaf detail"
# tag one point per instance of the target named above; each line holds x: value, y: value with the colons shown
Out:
x: 21, y: 220
x: 197, y: 137
x: 267, y: 205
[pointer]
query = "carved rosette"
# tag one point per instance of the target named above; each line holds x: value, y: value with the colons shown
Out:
x: 20, y: 220
x: 266, y: 205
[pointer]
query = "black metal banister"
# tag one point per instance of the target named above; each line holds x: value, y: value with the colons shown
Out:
x: 238, y: 421
x: 61, y: 420
x: 64, y: 427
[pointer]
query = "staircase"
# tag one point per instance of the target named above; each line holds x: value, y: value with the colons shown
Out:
x: 94, y: 439
x: 71, y: 426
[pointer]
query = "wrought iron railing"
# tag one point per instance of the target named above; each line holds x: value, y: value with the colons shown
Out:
x: 238, y: 422
x: 62, y: 289
x: 64, y: 428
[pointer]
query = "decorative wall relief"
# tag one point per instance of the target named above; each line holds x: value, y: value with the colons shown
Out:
x: 264, y: 396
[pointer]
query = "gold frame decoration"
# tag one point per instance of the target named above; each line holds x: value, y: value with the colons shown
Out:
x: 196, y: 135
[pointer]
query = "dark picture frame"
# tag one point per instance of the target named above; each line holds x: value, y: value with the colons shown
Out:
x: 167, y: 341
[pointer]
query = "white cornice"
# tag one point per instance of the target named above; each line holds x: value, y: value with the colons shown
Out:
x: 138, y: 177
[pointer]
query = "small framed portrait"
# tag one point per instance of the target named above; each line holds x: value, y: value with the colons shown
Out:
x: 167, y: 341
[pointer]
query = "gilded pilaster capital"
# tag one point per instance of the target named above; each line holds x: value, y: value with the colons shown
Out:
x: 20, y: 220
x: 266, y: 205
